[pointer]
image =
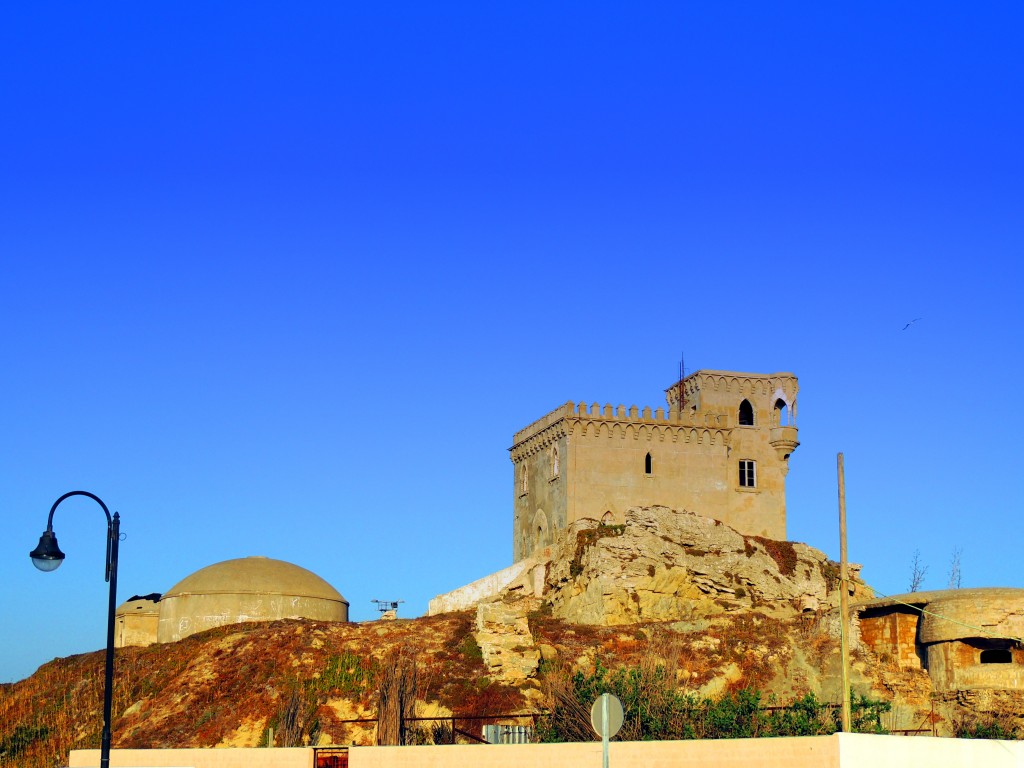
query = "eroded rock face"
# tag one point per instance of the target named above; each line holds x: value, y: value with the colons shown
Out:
x: 668, y: 565
x: 504, y: 637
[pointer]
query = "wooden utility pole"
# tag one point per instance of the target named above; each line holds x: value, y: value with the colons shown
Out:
x: 844, y: 599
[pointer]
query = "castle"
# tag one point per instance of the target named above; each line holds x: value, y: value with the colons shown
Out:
x: 721, y: 450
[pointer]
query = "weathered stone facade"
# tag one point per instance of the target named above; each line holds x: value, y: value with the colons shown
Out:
x: 723, y: 455
x: 966, y: 639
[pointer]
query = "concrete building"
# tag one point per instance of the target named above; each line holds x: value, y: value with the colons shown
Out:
x: 230, y: 592
x: 966, y: 639
x: 723, y: 454
x: 136, y: 620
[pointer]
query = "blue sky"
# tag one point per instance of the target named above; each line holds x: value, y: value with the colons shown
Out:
x: 284, y: 281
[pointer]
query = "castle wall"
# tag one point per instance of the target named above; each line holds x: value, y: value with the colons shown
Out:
x: 695, y: 455
x: 761, y: 510
x: 539, y: 507
x: 688, y: 470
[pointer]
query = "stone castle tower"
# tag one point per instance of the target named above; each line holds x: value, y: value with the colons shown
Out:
x: 724, y: 455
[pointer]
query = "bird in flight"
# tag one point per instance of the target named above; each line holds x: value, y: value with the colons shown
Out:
x: 910, y: 323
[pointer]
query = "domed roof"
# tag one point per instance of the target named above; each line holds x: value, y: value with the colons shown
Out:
x: 255, y: 575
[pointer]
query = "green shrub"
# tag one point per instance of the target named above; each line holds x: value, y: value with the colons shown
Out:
x: 654, y: 709
x: 19, y: 741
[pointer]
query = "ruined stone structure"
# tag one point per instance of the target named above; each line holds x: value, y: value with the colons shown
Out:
x: 230, y: 592
x: 136, y: 620
x: 966, y: 639
x: 723, y: 455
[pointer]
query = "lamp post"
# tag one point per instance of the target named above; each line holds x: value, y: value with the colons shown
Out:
x: 48, y: 557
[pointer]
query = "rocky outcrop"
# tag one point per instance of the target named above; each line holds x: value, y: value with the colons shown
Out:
x: 664, y: 565
x: 503, y: 634
x: 667, y: 565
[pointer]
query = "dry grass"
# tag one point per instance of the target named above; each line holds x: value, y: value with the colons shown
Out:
x: 229, y: 684
x: 306, y: 679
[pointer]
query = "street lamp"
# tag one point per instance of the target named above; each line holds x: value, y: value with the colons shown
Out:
x: 48, y: 557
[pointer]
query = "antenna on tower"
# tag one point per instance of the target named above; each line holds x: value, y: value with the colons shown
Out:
x: 682, y: 375
x: 385, y: 606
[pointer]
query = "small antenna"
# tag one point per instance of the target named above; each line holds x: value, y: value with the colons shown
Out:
x: 682, y: 375
x: 387, y: 605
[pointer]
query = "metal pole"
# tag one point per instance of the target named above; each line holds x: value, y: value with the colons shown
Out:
x: 844, y: 600
x: 114, y: 534
x: 110, y: 576
x: 604, y: 729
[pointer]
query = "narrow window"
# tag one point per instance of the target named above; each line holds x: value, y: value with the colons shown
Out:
x: 748, y: 473
x: 554, y: 461
x: 540, y: 525
x: 781, y: 413
x: 524, y: 484
x: 648, y: 465
x: 746, y: 414
x: 996, y: 656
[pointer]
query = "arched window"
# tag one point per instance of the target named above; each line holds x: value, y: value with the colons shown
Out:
x: 607, y: 518
x: 781, y: 413
x: 996, y: 656
x: 648, y: 464
x: 524, y: 481
x: 554, y: 461
x: 540, y: 529
x: 746, y: 414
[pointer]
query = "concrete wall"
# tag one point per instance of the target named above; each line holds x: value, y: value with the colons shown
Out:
x: 858, y: 750
x: 893, y: 632
x: 837, y: 751
x: 820, y: 752
x: 135, y: 629
x: 956, y: 665
x: 195, y: 758
x: 949, y: 637
x: 184, y: 615
x: 464, y: 598
x: 999, y: 610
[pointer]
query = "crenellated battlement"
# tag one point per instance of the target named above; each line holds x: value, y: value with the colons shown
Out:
x: 542, y: 423
x: 579, y: 418
x: 595, y: 412
x: 783, y: 385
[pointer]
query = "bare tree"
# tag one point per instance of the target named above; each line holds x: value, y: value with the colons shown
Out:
x: 954, y: 569
x: 396, y: 697
x: 298, y: 723
x: 917, y: 572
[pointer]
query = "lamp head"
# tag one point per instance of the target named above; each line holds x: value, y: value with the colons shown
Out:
x: 47, y: 556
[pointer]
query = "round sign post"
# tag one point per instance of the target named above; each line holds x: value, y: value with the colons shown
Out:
x: 606, y: 717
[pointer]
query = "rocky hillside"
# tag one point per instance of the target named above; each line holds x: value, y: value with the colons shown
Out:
x: 667, y: 565
x: 716, y: 610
